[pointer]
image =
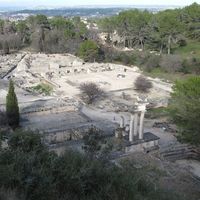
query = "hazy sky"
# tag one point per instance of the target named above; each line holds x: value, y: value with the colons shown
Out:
x: 93, y: 2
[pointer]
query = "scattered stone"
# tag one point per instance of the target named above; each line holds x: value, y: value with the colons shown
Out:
x: 164, y: 126
x: 121, y: 75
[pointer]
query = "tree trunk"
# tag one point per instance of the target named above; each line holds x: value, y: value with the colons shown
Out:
x: 126, y: 42
x: 161, y: 48
x: 169, y: 44
x: 142, y: 44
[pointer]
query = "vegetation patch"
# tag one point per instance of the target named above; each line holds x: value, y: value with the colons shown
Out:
x: 165, y: 76
x: 143, y: 84
x: 90, y: 92
x: 43, y: 88
x: 88, y: 51
x: 29, y: 171
x: 155, y: 113
x: 192, y: 48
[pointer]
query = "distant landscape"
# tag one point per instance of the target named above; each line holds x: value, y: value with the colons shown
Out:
x: 82, y: 11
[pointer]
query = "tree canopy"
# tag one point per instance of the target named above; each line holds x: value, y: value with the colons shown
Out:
x: 159, y: 31
x: 56, y: 35
x: 185, y: 109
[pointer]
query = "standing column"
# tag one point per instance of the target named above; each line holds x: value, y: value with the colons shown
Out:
x: 141, y: 129
x: 122, y: 122
x: 131, y: 129
x: 135, y: 124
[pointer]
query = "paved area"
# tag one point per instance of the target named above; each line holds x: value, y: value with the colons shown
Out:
x: 53, y: 121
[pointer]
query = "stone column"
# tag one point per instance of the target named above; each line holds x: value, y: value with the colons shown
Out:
x: 141, y: 129
x: 135, y: 124
x: 131, y: 133
x: 122, y: 122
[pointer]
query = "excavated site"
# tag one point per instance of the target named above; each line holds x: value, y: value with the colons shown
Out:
x: 62, y: 117
x: 62, y: 110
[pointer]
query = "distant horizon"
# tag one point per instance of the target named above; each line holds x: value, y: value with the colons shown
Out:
x: 18, y: 7
x: 93, y: 6
x: 92, y: 3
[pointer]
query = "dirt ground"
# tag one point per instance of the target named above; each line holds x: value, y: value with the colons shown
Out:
x: 192, y: 165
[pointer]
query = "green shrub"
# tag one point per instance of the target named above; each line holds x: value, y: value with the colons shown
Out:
x: 155, y: 113
x: 191, y: 65
x: 171, y: 63
x: 88, y: 51
x: 43, y: 88
x: 152, y: 63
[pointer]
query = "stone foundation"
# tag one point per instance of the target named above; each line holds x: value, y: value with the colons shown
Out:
x: 148, y: 143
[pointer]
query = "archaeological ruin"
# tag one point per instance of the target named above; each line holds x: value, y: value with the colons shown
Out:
x: 62, y: 116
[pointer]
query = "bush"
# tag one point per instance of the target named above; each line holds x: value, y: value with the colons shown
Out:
x: 90, y: 92
x: 185, y: 109
x: 191, y: 65
x: 88, y: 51
x: 152, y: 63
x: 182, y: 42
x: 10, y: 194
x: 171, y: 63
x: 92, y: 142
x: 43, y: 88
x: 143, y: 84
x: 25, y: 141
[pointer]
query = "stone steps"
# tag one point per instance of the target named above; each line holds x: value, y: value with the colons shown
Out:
x: 179, y: 151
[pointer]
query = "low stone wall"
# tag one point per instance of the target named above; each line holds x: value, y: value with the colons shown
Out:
x: 179, y: 152
x: 142, y: 147
x: 62, y: 136
x: 47, y: 111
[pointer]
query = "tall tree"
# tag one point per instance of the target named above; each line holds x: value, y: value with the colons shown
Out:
x: 185, y: 109
x: 12, y: 108
x: 190, y: 16
x: 169, y: 27
x: 23, y: 31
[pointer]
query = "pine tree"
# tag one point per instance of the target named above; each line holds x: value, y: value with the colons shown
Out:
x: 12, y: 109
x: 185, y: 109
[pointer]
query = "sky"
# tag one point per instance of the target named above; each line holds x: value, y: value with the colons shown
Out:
x: 35, y: 3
